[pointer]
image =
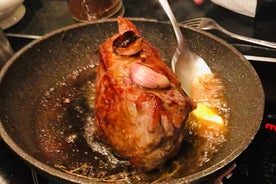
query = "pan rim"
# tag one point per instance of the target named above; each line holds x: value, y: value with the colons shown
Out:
x: 60, y: 174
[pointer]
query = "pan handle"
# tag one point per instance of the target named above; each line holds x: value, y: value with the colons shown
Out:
x: 26, y: 36
x: 6, y: 50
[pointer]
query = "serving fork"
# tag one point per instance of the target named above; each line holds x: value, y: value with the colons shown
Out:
x: 205, y: 23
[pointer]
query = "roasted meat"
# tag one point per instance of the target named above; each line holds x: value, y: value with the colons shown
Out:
x: 140, y: 108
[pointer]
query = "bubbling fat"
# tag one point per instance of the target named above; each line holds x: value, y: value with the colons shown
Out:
x: 207, y: 124
x: 68, y: 141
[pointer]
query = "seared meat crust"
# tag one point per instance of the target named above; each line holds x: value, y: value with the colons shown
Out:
x: 140, y: 108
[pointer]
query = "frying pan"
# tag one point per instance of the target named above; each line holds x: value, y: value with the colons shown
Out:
x: 41, y: 64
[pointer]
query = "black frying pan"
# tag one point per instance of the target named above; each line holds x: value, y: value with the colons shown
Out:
x: 44, y: 62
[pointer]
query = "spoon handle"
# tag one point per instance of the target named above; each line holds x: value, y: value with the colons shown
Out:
x: 180, y: 40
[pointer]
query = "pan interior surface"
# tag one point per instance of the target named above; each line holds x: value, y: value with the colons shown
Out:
x: 49, y: 64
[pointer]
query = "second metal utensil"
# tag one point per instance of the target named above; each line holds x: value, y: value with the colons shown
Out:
x: 205, y: 23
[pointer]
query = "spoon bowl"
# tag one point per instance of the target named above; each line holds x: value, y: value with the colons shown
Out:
x: 186, y: 64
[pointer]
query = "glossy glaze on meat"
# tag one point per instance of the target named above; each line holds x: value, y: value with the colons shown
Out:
x: 140, y: 108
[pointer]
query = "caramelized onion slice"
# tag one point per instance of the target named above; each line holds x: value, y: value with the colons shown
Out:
x: 127, y: 44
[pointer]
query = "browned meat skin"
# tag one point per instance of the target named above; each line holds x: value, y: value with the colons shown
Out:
x: 142, y: 120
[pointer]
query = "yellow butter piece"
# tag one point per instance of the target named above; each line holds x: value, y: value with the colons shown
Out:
x: 206, y: 115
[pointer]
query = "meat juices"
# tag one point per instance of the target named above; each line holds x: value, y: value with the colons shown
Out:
x: 140, y: 108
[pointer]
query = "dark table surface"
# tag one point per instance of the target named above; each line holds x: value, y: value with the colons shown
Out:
x: 44, y: 16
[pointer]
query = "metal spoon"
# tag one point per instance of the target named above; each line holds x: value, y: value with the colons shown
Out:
x: 186, y: 64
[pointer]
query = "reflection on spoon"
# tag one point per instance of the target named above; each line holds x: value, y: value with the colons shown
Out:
x: 186, y: 64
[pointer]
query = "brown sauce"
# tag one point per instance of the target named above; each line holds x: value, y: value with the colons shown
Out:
x: 65, y: 127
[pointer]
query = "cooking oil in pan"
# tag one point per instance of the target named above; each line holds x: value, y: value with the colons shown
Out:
x: 67, y: 138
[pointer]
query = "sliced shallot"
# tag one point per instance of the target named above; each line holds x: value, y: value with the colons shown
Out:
x: 148, y: 78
